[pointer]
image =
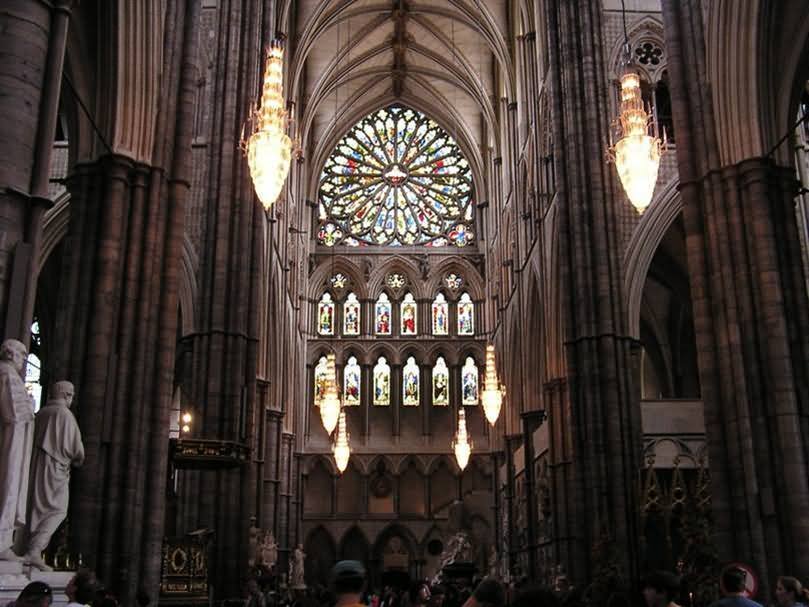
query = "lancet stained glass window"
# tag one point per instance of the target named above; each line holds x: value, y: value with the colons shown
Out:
x: 397, y: 178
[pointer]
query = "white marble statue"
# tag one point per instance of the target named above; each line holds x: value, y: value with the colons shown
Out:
x: 16, y: 434
x: 253, y: 545
x: 57, y: 447
x: 268, y: 550
x: 296, y: 573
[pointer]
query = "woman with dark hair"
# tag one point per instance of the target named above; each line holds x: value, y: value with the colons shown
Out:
x: 789, y: 592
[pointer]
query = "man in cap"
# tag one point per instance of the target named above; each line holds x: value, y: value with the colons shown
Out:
x: 347, y: 582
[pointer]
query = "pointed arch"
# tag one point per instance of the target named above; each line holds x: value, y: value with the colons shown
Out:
x: 354, y: 545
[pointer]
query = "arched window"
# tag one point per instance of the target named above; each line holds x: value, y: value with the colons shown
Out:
x: 382, y: 315
x: 33, y: 369
x: 409, y: 315
x: 321, y: 375
x: 351, y: 315
x: 440, y: 315
x: 410, y: 383
x: 469, y: 382
x: 440, y: 383
x: 351, y: 383
x: 381, y: 382
x: 325, y: 315
x: 466, y: 315
x: 396, y: 178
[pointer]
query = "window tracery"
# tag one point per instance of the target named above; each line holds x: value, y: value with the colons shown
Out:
x: 440, y: 315
x: 321, y: 375
x: 466, y: 315
x: 352, y: 375
x: 351, y: 315
x: 409, y: 315
x: 382, y: 315
x: 325, y: 315
x: 382, y: 382
x: 469, y: 382
x: 410, y: 383
x: 397, y: 178
x: 440, y: 383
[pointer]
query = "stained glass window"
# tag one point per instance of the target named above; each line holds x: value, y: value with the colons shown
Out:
x: 410, y: 383
x: 339, y: 280
x: 396, y: 280
x: 351, y: 315
x: 381, y: 382
x: 469, y: 382
x: 453, y: 281
x: 440, y: 315
x: 382, y: 316
x: 33, y: 369
x: 396, y: 178
x: 440, y: 383
x: 325, y: 315
x: 409, y: 315
x: 321, y: 374
x: 466, y: 315
x: 351, y: 383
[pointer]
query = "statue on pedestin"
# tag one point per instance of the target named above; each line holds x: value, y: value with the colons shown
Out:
x: 16, y: 434
x: 57, y: 447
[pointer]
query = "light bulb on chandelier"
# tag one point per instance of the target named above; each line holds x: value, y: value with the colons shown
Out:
x: 330, y: 403
x: 461, y: 444
x: 638, y: 149
x: 341, y: 448
x: 268, y: 148
x: 492, y: 394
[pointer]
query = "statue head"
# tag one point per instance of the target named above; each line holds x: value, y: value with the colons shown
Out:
x: 14, y: 352
x: 62, y: 390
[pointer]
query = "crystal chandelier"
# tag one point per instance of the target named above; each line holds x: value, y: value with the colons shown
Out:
x: 638, y: 149
x: 492, y: 394
x: 461, y: 443
x: 341, y: 449
x: 269, y: 148
x: 330, y: 403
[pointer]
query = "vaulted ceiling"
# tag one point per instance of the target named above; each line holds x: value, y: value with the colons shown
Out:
x: 448, y: 58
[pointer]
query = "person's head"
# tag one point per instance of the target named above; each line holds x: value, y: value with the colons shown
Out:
x: 347, y: 577
x: 62, y: 390
x: 35, y: 594
x: 419, y: 593
x: 252, y: 586
x: 489, y: 593
x: 733, y: 580
x: 535, y: 596
x: 82, y: 587
x: 437, y: 593
x: 14, y: 352
x: 789, y: 590
x: 660, y: 588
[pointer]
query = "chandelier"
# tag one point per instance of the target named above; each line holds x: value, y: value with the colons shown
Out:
x: 492, y: 394
x: 461, y: 443
x: 638, y: 149
x: 341, y: 449
x: 330, y: 403
x: 269, y: 148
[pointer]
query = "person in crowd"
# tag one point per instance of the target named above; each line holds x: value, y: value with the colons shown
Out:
x: 733, y: 587
x: 35, y: 594
x: 489, y: 593
x: 81, y: 588
x: 419, y: 594
x: 255, y: 598
x: 789, y: 592
x: 660, y: 588
x: 347, y: 582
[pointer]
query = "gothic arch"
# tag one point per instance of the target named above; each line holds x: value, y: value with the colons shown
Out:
x: 405, y: 462
x: 395, y: 263
x: 308, y: 464
x: 645, y: 29
x: 353, y: 543
x: 321, y: 554
x: 327, y: 267
x: 393, y: 530
x: 643, y: 244
x: 54, y: 227
x: 459, y: 265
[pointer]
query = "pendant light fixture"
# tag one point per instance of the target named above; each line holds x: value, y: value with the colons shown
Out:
x: 330, y: 403
x: 461, y: 444
x: 341, y: 448
x: 269, y: 148
x: 492, y: 394
x: 638, y: 150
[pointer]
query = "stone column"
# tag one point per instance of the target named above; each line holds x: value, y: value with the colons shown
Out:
x: 602, y: 429
x: 33, y: 45
x: 752, y: 317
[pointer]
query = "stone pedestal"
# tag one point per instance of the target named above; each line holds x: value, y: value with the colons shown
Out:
x: 16, y: 576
